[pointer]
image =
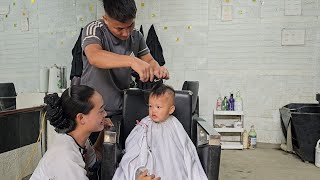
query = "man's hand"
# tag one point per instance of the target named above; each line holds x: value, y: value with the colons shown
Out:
x: 144, y: 176
x: 143, y: 69
x: 161, y: 73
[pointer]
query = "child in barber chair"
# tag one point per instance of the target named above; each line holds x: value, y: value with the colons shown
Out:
x: 160, y: 144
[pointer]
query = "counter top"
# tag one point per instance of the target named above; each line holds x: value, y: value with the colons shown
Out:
x: 23, y: 110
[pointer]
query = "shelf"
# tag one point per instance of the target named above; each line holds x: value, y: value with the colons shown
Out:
x: 228, y: 113
x: 225, y: 117
x: 231, y: 145
x: 240, y: 130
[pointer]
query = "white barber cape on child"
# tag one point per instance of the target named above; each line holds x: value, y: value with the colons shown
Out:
x: 64, y: 161
x: 165, y: 149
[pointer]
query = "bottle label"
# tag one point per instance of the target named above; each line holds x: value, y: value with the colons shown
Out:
x: 218, y: 106
x: 252, y: 142
x: 238, y: 106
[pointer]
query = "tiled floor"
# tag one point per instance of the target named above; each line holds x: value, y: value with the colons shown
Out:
x: 265, y: 164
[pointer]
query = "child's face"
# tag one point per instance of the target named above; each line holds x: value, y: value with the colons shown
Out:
x: 160, y: 108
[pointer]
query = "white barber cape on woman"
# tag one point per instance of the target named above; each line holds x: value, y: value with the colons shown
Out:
x: 165, y: 149
x: 64, y: 161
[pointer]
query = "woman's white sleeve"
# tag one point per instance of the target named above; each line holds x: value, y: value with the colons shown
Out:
x: 70, y: 170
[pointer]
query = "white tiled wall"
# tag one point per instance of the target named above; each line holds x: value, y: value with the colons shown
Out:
x: 244, y: 54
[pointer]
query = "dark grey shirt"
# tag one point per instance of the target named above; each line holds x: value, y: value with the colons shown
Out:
x: 110, y: 83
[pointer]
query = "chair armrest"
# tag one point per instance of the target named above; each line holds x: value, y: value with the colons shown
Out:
x: 109, y: 160
x: 209, y: 156
x: 112, y: 152
x: 214, y: 136
x: 209, y: 153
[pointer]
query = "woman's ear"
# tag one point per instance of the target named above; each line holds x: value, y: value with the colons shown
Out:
x: 80, y: 118
x: 172, y: 108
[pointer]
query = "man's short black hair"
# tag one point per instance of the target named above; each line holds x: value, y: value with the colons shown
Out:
x: 120, y: 10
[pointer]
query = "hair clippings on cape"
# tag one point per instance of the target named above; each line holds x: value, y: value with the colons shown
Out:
x: 140, y: 123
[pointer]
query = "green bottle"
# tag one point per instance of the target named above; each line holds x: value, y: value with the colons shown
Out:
x: 252, y: 138
x: 224, y: 106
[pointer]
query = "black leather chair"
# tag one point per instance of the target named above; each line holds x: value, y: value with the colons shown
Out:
x: 193, y: 86
x: 136, y: 107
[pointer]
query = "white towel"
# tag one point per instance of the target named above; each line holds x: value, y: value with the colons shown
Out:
x: 165, y: 149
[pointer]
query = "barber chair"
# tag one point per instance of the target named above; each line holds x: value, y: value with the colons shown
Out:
x: 193, y: 86
x: 135, y: 107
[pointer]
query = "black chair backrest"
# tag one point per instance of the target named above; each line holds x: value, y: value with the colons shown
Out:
x: 192, y: 86
x: 135, y: 107
x: 7, y: 90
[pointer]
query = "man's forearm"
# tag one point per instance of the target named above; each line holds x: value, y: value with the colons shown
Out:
x: 106, y: 60
x: 150, y: 60
x: 154, y: 64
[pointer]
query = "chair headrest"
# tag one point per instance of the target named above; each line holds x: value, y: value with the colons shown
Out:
x: 192, y: 86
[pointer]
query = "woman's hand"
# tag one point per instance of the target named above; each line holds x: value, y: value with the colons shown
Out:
x: 144, y: 176
x: 107, y: 123
x: 98, y: 144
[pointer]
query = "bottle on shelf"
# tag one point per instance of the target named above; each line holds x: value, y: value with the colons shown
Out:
x: 245, y: 139
x: 252, y: 138
x: 238, y: 102
x: 227, y: 105
x: 231, y: 102
x: 224, y: 106
x: 219, y: 103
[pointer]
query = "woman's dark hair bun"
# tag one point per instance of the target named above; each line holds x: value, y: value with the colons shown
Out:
x: 62, y: 111
x: 55, y: 114
x: 51, y: 99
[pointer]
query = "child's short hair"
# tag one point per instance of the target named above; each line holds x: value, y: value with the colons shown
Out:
x: 160, y: 89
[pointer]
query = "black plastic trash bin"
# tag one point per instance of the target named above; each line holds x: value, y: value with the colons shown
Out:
x: 7, y: 96
x: 285, y: 113
x: 305, y: 128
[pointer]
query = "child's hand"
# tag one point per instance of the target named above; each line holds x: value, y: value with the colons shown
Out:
x: 144, y: 176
